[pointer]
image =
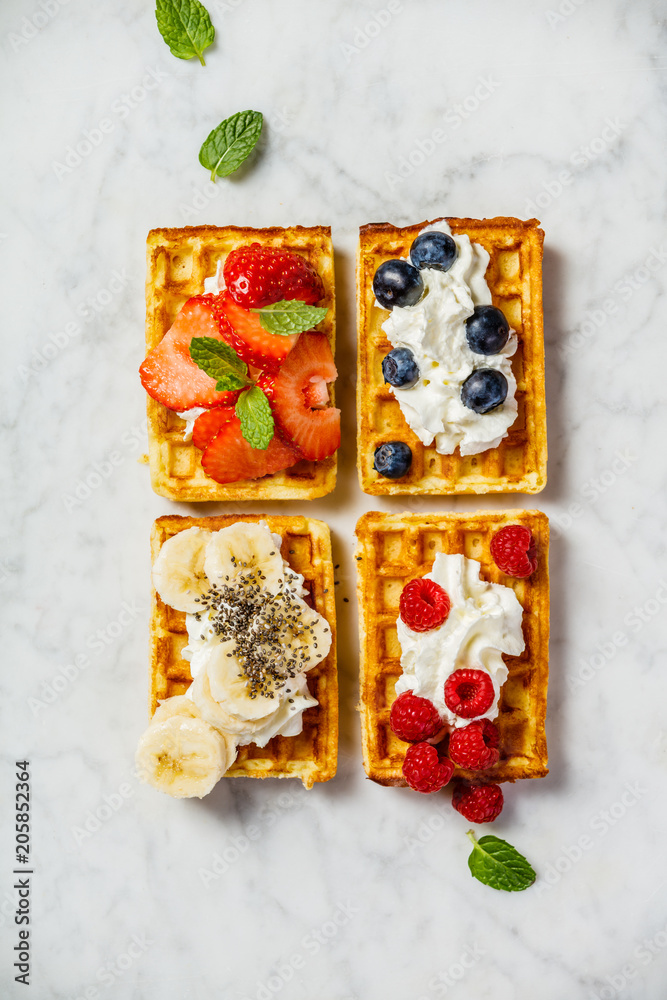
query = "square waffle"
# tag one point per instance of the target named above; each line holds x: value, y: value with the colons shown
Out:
x: 395, y: 548
x: 306, y: 546
x: 178, y: 260
x: 514, y: 276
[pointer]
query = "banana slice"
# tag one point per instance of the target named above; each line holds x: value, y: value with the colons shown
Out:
x: 248, y: 549
x: 222, y: 694
x: 178, y: 704
x: 179, y: 575
x: 309, y: 639
x: 184, y: 756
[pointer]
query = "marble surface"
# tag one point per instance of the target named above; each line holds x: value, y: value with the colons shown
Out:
x: 384, y: 111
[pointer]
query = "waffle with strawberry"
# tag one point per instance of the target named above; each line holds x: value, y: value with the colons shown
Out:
x: 239, y: 369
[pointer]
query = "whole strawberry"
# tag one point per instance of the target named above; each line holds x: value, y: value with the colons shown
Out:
x: 478, y: 803
x: 257, y: 275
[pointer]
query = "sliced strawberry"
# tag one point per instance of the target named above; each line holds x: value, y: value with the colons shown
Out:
x: 244, y: 332
x: 229, y: 457
x: 170, y: 375
x: 316, y: 393
x: 315, y: 432
x: 256, y: 276
x: 208, y: 424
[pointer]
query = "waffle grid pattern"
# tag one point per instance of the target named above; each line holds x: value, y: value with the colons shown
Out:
x: 178, y: 261
x: 395, y: 548
x: 514, y: 276
x: 312, y: 755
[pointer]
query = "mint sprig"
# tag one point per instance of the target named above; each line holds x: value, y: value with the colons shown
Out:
x: 185, y: 26
x: 496, y: 863
x: 254, y: 411
x: 221, y: 362
x: 290, y: 316
x: 230, y: 143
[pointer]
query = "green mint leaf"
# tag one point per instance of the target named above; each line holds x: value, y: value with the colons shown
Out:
x: 221, y: 362
x: 231, y: 143
x: 254, y: 412
x: 496, y: 863
x: 185, y: 26
x: 290, y: 316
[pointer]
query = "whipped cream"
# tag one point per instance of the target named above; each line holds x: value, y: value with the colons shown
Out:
x: 291, y: 700
x: 190, y: 416
x: 216, y: 283
x: 434, y: 330
x: 484, y: 621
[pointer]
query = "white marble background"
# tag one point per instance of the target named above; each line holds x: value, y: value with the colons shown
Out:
x: 549, y: 107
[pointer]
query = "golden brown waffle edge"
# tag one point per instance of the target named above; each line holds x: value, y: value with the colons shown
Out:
x: 177, y: 262
x: 514, y: 276
x: 395, y: 548
x: 312, y: 755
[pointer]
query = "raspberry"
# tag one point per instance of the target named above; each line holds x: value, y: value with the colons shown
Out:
x: 478, y: 803
x: 414, y: 719
x: 424, y: 769
x: 475, y: 746
x: 424, y: 605
x: 513, y: 550
x: 469, y: 693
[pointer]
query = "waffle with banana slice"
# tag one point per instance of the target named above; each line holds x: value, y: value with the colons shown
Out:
x: 306, y: 545
x: 514, y: 277
x: 178, y: 261
x: 393, y: 549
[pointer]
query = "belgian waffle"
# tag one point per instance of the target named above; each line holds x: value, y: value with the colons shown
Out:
x: 178, y: 261
x: 395, y: 548
x: 306, y: 545
x: 514, y: 276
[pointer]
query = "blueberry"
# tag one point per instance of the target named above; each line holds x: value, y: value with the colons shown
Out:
x: 397, y: 283
x: 392, y: 459
x: 487, y: 330
x: 400, y: 368
x: 484, y: 390
x: 434, y: 249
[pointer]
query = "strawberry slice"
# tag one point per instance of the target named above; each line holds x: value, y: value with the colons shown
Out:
x: 244, y: 332
x: 316, y: 432
x: 170, y: 375
x: 316, y: 393
x: 208, y: 424
x: 229, y: 458
x: 257, y: 275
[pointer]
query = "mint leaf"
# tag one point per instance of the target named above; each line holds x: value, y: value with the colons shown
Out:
x: 254, y: 412
x: 185, y: 26
x: 290, y: 316
x: 496, y: 863
x: 231, y: 143
x: 221, y: 362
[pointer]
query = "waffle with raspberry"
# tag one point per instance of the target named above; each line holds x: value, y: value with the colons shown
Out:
x: 178, y: 261
x: 312, y: 755
x: 393, y: 549
x: 514, y: 276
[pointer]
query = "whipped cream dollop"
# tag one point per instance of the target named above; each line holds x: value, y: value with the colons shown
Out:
x: 434, y: 330
x: 484, y: 621
x: 289, y: 701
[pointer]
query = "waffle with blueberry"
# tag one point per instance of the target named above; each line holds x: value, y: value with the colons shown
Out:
x: 390, y: 457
